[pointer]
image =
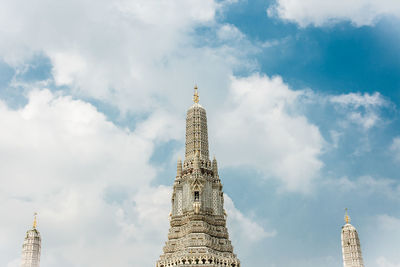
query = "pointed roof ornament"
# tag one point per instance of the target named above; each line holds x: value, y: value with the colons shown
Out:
x: 35, y: 220
x: 215, y: 167
x: 196, y: 95
x: 346, y: 217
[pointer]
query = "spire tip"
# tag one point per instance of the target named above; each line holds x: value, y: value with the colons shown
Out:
x: 347, y: 217
x: 196, y: 95
x: 35, y: 220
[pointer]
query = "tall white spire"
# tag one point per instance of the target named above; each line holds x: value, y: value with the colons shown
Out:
x: 351, y: 248
x: 198, y: 235
x: 32, y: 246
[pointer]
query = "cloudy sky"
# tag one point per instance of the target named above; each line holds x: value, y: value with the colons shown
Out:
x: 302, y: 100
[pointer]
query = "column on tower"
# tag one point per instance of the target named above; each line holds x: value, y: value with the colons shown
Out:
x: 178, y: 191
x: 218, y: 196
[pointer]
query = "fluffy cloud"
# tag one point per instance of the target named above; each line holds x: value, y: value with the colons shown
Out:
x: 358, y: 100
x: 261, y: 127
x: 389, y: 223
x: 136, y: 55
x: 387, y: 232
x: 367, y: 185
x: 383, y: 262
x: 89, y: 180
x: 320, y: 13
x: 395, y: 148
x: 244, y: 230
x: 360, y: 109
x: 245, y: 233
x: 48, y: 125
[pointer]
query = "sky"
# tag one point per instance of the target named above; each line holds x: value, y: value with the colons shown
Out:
x: 302, y: 99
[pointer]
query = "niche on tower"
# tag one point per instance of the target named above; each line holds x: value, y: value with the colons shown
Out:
x: 196, y: 187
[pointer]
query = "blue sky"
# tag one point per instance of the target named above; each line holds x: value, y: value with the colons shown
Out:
x: 302, y: 102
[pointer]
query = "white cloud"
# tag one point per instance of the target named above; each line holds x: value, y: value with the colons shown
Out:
x: 161, y: 126
x: 383, y: 262
x: 14, y: 263
x: 389, y: 223
x: 335, y: 137
x: 366, y: 185
x: 360, y: 109
x: 395, y: 148
x: 387, y: 232
x: 244, y: 231
x: 358, y: 100
x: 68, y: 68
x: 260, y: 126
x: 229, y: 32
x: 136, y: 55
x: 321, y: 13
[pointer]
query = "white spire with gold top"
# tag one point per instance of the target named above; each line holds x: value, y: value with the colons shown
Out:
x: 351, y: 248
x: 31, y: 248
x: 198, y: 235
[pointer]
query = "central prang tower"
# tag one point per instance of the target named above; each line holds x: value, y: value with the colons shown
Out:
x: 198, y: 235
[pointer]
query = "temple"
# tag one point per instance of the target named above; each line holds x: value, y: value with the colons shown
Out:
x: 198, y: 235
x: 351, y: 248
x: 31, y: 247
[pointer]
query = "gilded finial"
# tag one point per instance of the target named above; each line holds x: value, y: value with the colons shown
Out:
x: 347, y: 217
x: 35, y: 220
x: 196, y: 95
